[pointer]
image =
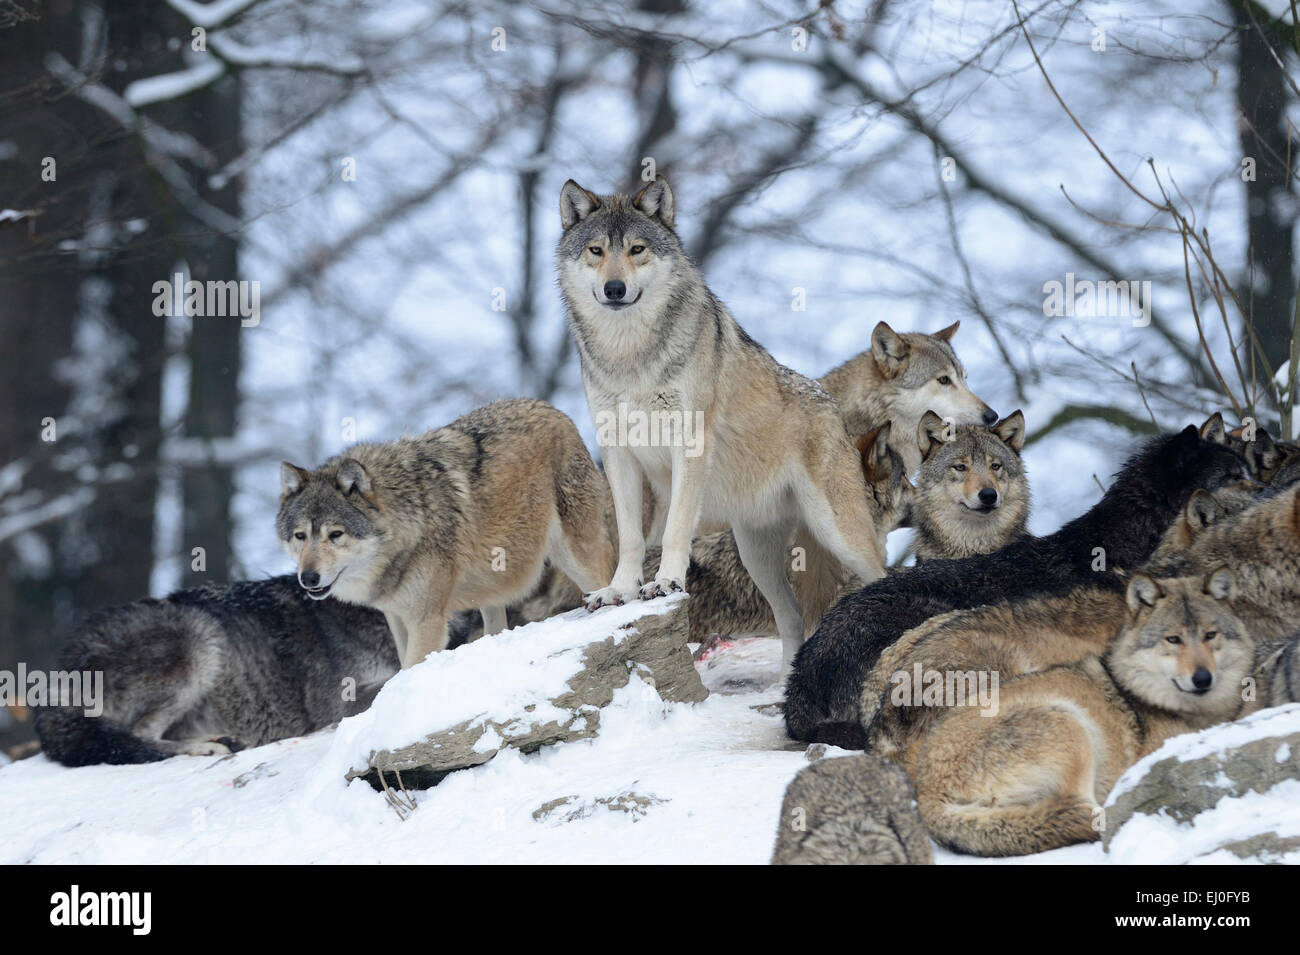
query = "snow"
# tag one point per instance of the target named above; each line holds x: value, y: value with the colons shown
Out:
x: 660, y: 783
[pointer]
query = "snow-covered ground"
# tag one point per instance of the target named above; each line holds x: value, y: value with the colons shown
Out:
x: 662, y: 783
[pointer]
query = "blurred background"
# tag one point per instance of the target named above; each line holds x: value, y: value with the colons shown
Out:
x: 387, y: 173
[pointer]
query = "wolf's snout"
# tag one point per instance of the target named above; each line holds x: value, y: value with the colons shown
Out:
x: 988, y: 496
x: 990, y: 416
x: 615, y: 290
x: 309, y: 579
x: 1202, y: 679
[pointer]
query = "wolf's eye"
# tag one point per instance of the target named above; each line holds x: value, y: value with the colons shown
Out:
x: 944, y: 380
x: 299, y: 536
x: 959, y: 467
x: 595, y: 250
x: 335, y: 535
x: 996, y: 466
x: 636, y: 250
x: 1173, y: 638
x: 1211, y: 635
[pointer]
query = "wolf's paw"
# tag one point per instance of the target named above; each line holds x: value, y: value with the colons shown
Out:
x: 205, y: 747
x: 605, y: 597
x: 661, y: 587
x: 232, y: 744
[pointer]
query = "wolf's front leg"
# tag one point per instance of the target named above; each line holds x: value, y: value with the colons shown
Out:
x: 425, y: 636
x: 689, y: 473
x: 624, y: 476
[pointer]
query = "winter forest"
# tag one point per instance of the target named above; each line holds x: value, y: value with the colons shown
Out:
x: 1101, y: 193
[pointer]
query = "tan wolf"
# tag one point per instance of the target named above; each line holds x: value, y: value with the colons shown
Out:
x: 464, y: 516
x: 1033, y: 776
x: 681, y: 395
x: 972, y: 492
x: 1020, y: 637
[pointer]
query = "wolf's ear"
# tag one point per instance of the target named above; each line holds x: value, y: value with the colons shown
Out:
x: 889, y: 349
x: 929, y: 434
x: 1143, y: 591
x: 1264, y: 451
x: 1011, y: 430
x: 1186, y: 446
x: 1214, y: 429
x: 1202, y: 510
x: 1220, y: 584
x: 576, y: 204
x: 292, y: 478
x: 945, y: 334
x: 873, y: 447
x: 656, y: 201
x: 353, y: 477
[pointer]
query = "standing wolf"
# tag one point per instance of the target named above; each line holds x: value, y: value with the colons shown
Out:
x: 461, y: 517
x: 750, y: 443
x: 972, y: 494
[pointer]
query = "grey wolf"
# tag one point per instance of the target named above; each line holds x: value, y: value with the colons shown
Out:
x: 724, y: 598
x: 772, y: 451
x: 1265, y: 456
x: 1022, y: 636
x: 854, y: 810
x: 900, y: 378
x: 215, y: 669
x: 1126, y: 524
x: 972, y: 493
x: 1034, y: 776
x: 464, y: 516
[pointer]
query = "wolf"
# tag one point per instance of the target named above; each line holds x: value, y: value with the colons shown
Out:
x: 898, y: 379
x: 853, y: 810
x: 972, y: 491
x: 1266, y: 457
x: 1121, y: 530
x: 748, y: 443
x: 464, y: 516
x: 1022, y: 636
x: 1033, y: 776
x: 214, y: 669
x: 724, y: 598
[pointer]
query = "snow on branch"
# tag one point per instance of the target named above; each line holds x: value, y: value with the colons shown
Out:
x: 209, y: 15
x: 156, y: 89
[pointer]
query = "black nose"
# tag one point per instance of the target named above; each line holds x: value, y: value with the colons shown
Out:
x: 988, y: 496
x: 1202, y: 679
x: 990, y: 416
x: 309, y: 579
x: 614, y: 291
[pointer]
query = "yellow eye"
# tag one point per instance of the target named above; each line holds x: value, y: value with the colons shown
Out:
x: 1211, y: 635
x: 595, y: 250
x: 636, y: 250
x: 959, y: 467
x: 299, y: 536
x: 1173, y: 638
x: 335, y: 535
x: 945, y: 380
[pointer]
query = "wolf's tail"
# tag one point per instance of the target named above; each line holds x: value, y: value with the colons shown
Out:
x: 1010, y: 830
x: 70, y: 737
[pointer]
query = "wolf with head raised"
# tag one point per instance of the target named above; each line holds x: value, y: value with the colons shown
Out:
x: 721, y: 431
x: 972, y: 493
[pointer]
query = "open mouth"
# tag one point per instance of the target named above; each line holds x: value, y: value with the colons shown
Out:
x: 323, y: 591
x: 618, y: 305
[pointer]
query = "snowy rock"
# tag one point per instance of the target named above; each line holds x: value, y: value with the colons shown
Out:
x: 1224, y: 794
x: 853, y: 810
x: 526, y: 688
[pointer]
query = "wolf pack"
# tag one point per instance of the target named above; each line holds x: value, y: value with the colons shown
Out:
x: 766, y: 496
